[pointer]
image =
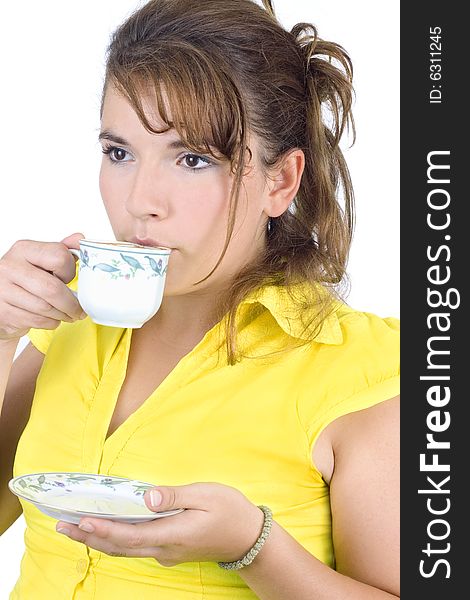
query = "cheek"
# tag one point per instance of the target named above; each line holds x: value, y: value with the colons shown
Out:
x: 104, y: 184
x: 109, y: 190
x: 202, y: 213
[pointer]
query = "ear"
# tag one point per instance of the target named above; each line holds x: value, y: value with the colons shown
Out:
x: 284, y: 182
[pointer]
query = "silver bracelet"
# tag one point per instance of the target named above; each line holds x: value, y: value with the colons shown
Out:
x: 253, y: 552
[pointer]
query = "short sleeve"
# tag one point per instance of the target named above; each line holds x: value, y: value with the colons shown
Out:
x: 41, y: 338
x: 358, y: 373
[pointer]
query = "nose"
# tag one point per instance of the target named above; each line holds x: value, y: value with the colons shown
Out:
x: 147, y: 196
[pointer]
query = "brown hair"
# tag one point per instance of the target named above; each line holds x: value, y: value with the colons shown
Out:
x: 242, y: 72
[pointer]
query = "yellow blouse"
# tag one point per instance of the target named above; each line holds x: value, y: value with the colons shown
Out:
x: 251, y: 426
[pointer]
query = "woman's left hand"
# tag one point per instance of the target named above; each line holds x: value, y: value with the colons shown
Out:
x: 219, y: 524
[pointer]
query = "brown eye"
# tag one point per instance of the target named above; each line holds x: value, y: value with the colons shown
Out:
x: 194, y: 162
x: 118, y: 154
x: 115, y: 154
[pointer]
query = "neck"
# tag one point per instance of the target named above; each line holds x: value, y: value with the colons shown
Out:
x: 182, y: 321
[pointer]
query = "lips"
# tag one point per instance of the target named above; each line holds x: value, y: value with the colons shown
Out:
x: 148, y: 242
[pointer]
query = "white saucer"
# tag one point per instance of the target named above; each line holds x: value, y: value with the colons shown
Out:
x: 72, y: 496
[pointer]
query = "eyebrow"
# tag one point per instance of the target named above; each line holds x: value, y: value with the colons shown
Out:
x: 107, y: 134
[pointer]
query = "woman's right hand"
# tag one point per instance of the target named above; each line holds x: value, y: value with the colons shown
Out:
x: 33, y: 290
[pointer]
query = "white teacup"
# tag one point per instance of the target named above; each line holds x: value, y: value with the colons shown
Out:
x: 120, y: 284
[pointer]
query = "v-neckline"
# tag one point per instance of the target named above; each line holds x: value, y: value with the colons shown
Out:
x: 136, y: 348
x: 163, y: 388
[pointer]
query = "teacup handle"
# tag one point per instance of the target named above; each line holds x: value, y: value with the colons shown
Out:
x: 77, y: 254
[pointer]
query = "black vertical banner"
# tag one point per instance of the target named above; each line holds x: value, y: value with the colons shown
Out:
x: 435, y: 238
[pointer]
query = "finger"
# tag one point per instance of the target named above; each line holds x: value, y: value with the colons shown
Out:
x: 52, y: 257
x: 199, y: 496
x: 29, y: 304
x: 103, y: 544
x: 48, y: 287
x: 22, y: 319
x: 117, y: 534
x: 72, y: 241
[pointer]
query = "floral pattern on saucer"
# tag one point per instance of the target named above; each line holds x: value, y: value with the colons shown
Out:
x: 71, y: 496
x: 32, y: 484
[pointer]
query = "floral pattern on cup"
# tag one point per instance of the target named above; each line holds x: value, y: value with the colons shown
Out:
x: 125, y: 268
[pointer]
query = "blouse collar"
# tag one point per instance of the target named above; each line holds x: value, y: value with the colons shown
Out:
x: 279, y: 303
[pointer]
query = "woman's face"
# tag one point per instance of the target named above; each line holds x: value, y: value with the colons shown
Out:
x: 153, y: 187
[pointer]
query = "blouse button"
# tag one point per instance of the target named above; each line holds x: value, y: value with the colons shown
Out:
x: 81, y: 566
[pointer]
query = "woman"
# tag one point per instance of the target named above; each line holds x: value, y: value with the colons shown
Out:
x: 255, y: 385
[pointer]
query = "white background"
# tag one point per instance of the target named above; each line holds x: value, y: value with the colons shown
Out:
x: 52, y: 69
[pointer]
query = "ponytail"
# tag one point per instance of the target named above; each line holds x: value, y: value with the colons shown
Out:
x: 326, y: 82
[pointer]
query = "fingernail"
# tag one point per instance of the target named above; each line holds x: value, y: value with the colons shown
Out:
x: 155, y: 498
x: 88, y: 527
x: 63, y: 530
